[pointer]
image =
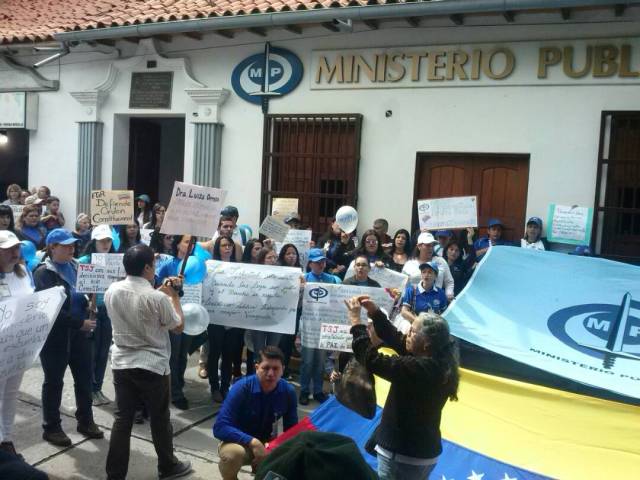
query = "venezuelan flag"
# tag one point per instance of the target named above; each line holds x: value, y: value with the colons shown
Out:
x: 503, y: 429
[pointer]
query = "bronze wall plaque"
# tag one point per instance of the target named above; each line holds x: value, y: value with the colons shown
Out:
x: 151, y: 90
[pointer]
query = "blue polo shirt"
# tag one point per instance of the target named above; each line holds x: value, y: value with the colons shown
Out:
x: 249, y: 413
x: 322, y: 278
x: 484, y: 242
x: 434, y: 299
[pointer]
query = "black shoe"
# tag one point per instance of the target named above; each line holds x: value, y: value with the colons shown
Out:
x: 217, y: 396
x: 180, y: 469
x: 58, y: 438
x: 10, y: 448
x: 181, y: 403
x: 139, y: 417
x: 90, y: 430
x: 304, y: 398
x: 320, y: 397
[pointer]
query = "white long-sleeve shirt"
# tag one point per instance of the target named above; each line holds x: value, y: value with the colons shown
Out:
x: 443, y: 280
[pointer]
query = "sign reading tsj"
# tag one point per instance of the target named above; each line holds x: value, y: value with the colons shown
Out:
x: 285, y: 73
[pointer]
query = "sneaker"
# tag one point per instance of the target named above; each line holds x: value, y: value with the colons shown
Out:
x: 180, y: 469
x: 59, y: 438
x: 103, y: 398
x: 96, y: 399
x: 320, y: 397
x: 181, y: 403
x: 217, y: 396
x: 90, y: 430
x: 304, y: 398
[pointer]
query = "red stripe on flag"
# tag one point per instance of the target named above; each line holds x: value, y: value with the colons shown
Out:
x: 302, y: 426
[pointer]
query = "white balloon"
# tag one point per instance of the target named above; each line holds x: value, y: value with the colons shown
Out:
x: 196, y: 318
x: 347, y: 218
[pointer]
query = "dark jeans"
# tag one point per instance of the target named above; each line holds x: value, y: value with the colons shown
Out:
x: 180, y: 343
x: 72, y: 348
x: 222, y: 343
x: 237, y: 352
x: 101, y: 342
x: 15, y: 469
x: 134, y: 386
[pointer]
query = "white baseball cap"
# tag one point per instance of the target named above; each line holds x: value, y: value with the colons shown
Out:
x: 426, y: 237
x: 8, y: 239
x: 101, y: 232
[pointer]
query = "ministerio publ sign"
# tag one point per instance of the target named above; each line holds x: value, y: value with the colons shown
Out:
x: 610, y: 61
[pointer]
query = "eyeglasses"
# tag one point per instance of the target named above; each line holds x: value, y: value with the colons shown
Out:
x: 371, y: 242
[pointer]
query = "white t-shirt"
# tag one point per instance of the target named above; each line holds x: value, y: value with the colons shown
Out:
x: 14, y: 286
x: 532, y: 246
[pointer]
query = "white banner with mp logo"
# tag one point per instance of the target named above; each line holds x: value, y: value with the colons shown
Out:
x: 577, y: 317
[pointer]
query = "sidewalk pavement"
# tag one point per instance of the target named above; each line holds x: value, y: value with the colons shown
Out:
x: 85, y: 459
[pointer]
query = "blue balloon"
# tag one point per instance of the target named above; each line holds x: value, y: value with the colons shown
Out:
x: 28, y: 250
x: 195, y: 271
x: 201, y: 253
x: 116, y: 239
x: 33, y: 263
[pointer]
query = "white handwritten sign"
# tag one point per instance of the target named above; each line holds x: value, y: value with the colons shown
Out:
x: 453, y: 212
x: 302, y: 241
x: 324, y: 303
x: 112, y: 261
x: 112, y: 207
x: 25, y: 323
x: 284, y: 207
x: 570, y: 225
x: 386, y: 277
x: 17, y: 211
x: 258, y: 297
x: 193, y: 210
x: 274, y: 228
x: 95, y: 278
x: 145, y: 235
x: 335, y: 336
x: 192, y: 294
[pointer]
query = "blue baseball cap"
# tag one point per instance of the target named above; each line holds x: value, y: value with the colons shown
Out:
x: 316, y: 255
x: 582, y: 250
x: 535, y: 220
x: 444, y: 233
x: 432, y: 265
x: 494, y: 222
x: 61, y: 236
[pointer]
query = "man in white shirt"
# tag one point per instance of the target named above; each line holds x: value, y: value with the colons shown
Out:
x: 141, y: 318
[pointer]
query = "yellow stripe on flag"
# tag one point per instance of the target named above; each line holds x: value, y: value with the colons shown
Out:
x: 551, y: 432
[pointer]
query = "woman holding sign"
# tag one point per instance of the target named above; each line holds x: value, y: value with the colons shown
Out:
x: 15, y: 281
x: 423, y: 376
x: 101, y: 242
x: 67, y: 343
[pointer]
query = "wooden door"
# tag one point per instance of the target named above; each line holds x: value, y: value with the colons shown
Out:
x: 498, y: 180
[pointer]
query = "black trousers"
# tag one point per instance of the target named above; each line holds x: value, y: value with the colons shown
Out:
x: 72, y: 348
x: 134, y: 386
x: 180, y: 343
x: 222, y: 343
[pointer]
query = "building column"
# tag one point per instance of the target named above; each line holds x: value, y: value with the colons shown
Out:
x: 89, y: 163
x: 207, y: 147
x: 207, y: 142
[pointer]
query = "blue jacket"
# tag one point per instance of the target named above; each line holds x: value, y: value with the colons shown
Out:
x: 322, y: 278
x: 249, y: 413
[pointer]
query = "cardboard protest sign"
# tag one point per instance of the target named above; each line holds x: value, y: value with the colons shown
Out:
x: 145, y: 235
x: 25, y: 323
x: 324, y: 303
x: 302, y: 240
x: 386, y: 277
x: 112, y: 261
x: 95, y: 278
x: 111, y: 207
x: 17, y: 211
x: 257, y: 297
x: 335, y: 336
x: 193, y: 210
x: 452, y: 212
x: 284, y: 207
x: 570, y: 225
x: 274, y: 228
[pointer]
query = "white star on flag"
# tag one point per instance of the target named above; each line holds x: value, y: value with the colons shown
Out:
x: 475, y: 476
x: 507, y: 477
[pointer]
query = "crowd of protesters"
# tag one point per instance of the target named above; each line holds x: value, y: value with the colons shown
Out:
x: 438, y: 265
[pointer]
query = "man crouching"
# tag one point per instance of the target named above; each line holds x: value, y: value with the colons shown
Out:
x: 250, y: 413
